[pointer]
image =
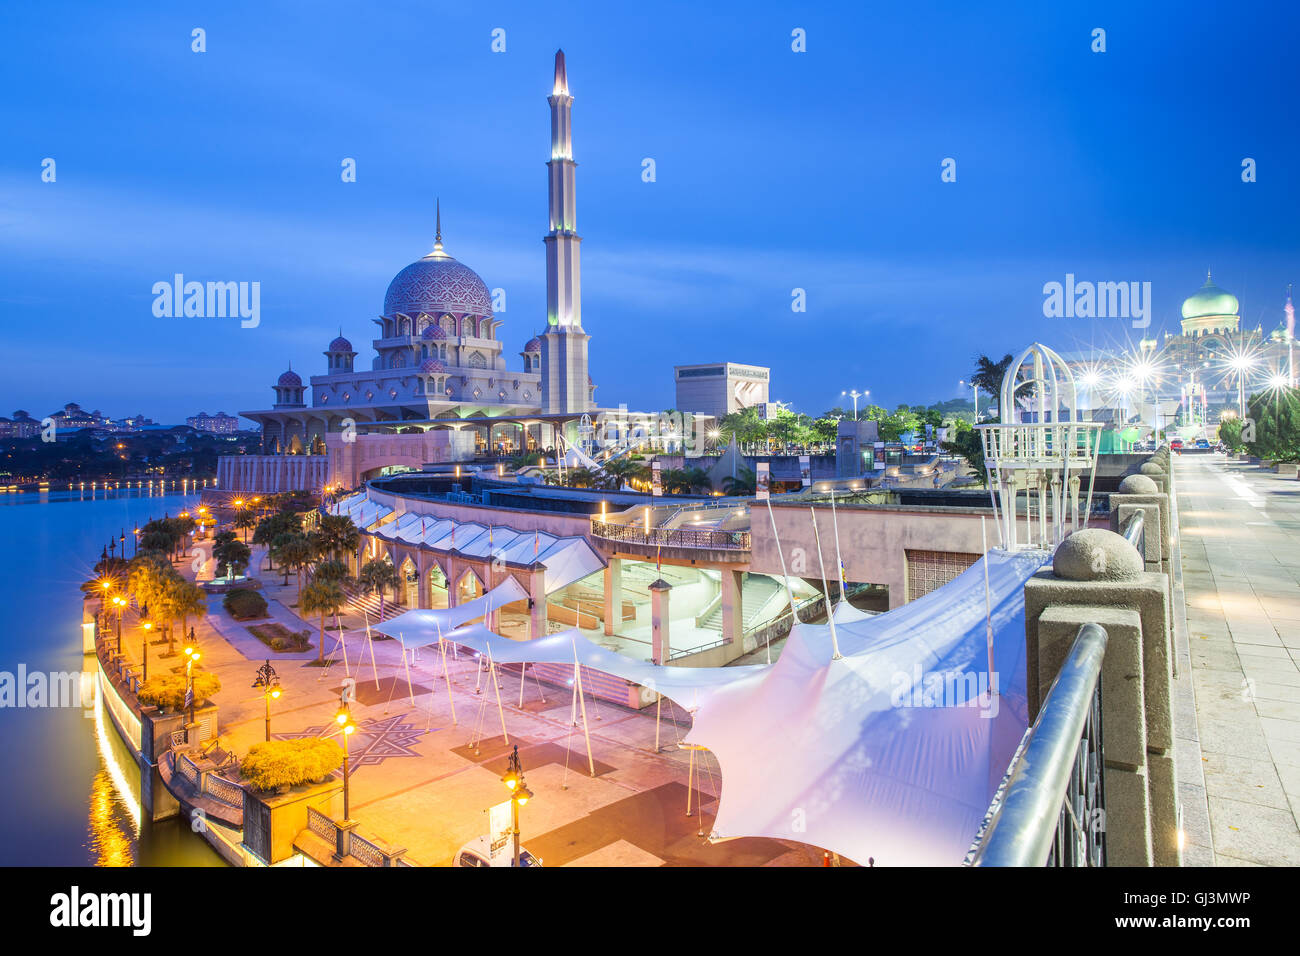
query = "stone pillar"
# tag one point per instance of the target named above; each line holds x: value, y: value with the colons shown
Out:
x: 733, y: 617
x: 1097, y: 576
x: 660, y: 646
x: 537, y: 601
x: 613, y: 595
x: 424, y: 599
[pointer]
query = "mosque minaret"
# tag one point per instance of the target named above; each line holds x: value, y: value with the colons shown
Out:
x: 566, y: 386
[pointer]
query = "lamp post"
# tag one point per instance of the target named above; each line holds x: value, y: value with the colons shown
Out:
x: 1241, y: 363
x: 347, y: 727
x: 513, y: 778
x: 147, y: 626
x: 975, y: 391
x: 269, y: 683
x: 192, y: 657
x: 855, y: 395
x: 120, y: 603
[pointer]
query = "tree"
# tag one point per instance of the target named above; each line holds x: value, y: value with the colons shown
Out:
x: 322, y: 598
x: 969, y: 444
x: 1276, y: 417
x: 295, y: 552
x: 244, y: 520
x: 376, y: 575
x: 742, y: 483
x: 271, y: 527
x: 188, y: 600
x: 988, y: 374
x: 745, y: 426
x: 1230, y: 434
x: 338, y: 536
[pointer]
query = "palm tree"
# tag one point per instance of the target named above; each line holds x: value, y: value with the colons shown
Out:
x: 338, y: 535
x: 321, y: 598
x: 295, y: 552
x: 188, y: 599
x: 276, y: 553
x: 619, y: 471
x: 245, y: 519
x: 741, y: 484
x: 376, y: 575
x: 697, y: 480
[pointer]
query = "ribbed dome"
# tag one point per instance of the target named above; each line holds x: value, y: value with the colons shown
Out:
x: 1209, y: 300
x: 340, y: 344
x: 534, y: 345
x: 289, y: 379
x: 432, y: 366
x: 437, y: 283
x: 433, y: 332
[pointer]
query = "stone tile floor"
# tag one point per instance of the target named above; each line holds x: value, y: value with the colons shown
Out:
x: 1239, y: 532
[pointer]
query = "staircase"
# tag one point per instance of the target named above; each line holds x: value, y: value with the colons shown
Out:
x: 369, y: 604
x: 757, y: 592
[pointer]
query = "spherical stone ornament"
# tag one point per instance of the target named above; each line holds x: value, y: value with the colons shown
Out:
x: 1094, y: 554
x: 1138, y: 485
x: 1151, y: 468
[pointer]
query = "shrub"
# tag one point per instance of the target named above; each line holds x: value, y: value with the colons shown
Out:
x: 287, y: 763
x: 168, y: 690
x: 244, y: 603
x: 279, y: 638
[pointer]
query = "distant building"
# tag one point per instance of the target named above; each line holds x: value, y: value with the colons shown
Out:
x: 720, y: 388
x: 218, y: 424
x: 22, y: 425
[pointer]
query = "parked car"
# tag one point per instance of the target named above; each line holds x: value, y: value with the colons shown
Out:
x: 1202, y: 443
x: 1176, y: 445
x: 478, y: 852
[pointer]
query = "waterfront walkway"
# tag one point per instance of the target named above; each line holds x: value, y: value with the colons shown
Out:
x: 1239, y: 532
x: 423, y: 780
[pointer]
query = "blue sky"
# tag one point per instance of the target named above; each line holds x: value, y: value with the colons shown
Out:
x: 775, y: 170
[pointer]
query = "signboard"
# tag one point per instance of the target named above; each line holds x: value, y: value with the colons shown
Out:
x: 656, y: 472
x: 762, y: 481
x: 805, y: 470
x: 499, y: 830
x: 879, y: 449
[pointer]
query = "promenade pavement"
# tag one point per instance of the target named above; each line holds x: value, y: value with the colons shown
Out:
x: 1239, y: 533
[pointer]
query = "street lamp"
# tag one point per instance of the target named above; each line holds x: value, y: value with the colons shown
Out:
x: 513, y: 778
x: 855, y: 395
x: 347, y: 727
x: 269, y: 683
x: 147, y: 626
x: 975, y: 390
x: 120, y: 603
x: 192, y: 657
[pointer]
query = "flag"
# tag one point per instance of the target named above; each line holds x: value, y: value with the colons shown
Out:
x: 843, y: 577
x: 189, y: 696
x: 536, y: 543
x: 659, y: 559
x: 422, y: 531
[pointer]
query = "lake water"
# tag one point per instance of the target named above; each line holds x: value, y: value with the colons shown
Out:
x: 72, y: 792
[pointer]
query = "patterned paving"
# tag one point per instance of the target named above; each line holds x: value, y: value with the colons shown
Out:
x: 376, y: 739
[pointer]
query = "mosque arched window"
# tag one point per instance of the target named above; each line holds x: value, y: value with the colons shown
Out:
x: 476, y: 360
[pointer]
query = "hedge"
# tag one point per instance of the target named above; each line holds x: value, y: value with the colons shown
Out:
x: 287, y: 763
x: 168, y: 690
x: 244, y: 603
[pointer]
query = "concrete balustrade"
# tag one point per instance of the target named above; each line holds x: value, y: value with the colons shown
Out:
x: 1098, y: 577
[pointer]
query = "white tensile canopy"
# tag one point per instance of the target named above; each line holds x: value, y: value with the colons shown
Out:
x: 567, y: 559
x: 423, y: 627
x: 892, y: 751
x: 853, y: 754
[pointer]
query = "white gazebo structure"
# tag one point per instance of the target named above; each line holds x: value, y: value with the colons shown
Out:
x: 1041, y: 447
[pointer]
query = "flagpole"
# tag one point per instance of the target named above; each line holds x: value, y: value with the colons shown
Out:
x: 988, y: 604
x: 785, y: 577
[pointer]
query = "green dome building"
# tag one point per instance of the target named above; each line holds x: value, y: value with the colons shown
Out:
x: 1210, y: 310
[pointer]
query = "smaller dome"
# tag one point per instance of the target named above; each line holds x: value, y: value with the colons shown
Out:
x: 432, y: 366
x: 289, y: 379
x: 433, y: 332
x: 534, y: 345
x: 340, y: 344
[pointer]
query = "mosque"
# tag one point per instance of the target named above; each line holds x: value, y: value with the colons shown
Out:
x: 1194, y: 372
x: 438, y: 387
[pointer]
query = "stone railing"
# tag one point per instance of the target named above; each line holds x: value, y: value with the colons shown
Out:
x: 672, y: 537
x: 347, y: 842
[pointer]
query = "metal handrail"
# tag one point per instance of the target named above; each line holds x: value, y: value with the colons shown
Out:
x: 1026, y: 826
x: 1134, y: 531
